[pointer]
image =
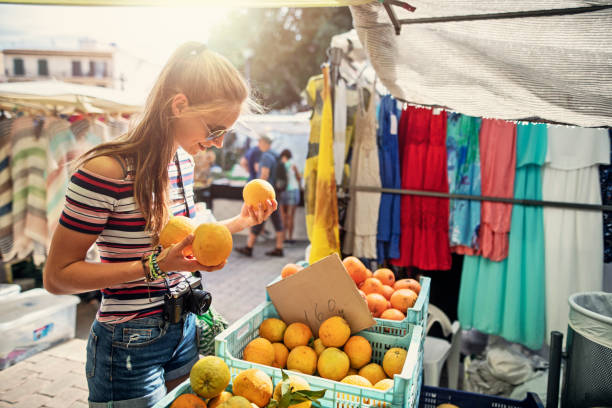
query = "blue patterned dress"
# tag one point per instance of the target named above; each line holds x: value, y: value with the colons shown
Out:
x: 463, y: 178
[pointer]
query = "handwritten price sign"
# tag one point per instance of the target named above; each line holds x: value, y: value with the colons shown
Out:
x: 319, y: 292
x: 320, y: 316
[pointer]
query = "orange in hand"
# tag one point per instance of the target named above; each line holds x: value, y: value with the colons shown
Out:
x: 175, y: 231
x: 258, y: 191
x: 212, y: 244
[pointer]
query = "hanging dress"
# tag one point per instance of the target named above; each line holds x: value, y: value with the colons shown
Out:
x: 6, y: 192
x: 463, y: 178
x: 507, y: 298
x: 498, y: 167
x: 28, y: 165
x: 314, y: 91
x: 424, y: 240
x: 362, y: 217
x: 325, y: 235
x: 389, y: 228
x: 574, y: 243
x: 340, y: 117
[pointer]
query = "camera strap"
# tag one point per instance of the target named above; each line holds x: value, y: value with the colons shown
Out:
x: 180, y: 183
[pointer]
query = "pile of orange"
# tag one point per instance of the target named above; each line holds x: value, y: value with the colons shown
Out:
x: 386, y: 297
x: 334, y: 354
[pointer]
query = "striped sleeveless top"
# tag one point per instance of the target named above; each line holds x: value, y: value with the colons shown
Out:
x: 106, y: 207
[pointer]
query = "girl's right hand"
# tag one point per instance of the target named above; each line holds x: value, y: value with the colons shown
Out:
x: 172, y: 259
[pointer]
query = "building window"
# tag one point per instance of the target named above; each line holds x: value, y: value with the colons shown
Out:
x: 18, y: 67
x: 43, y: 67
x: 98, y: 69
x: 76, y: 69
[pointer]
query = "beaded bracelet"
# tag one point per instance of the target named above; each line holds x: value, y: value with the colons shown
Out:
x: 151, y: 268
x: 155, y: 270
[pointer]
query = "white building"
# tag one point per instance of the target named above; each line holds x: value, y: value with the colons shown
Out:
x: 86, y: 67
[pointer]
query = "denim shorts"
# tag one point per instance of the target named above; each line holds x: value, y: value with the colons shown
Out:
x: 128, y: 363
x: 290, y: 197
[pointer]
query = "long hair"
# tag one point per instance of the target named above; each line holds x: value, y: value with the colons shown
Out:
x: 212, y: 86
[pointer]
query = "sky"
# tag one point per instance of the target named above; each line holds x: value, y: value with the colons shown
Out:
x: 145, y: 36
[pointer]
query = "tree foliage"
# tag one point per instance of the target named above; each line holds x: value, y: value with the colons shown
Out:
x: 279, y: 49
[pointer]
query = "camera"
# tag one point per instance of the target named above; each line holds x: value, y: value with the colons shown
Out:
x: 187, y: 296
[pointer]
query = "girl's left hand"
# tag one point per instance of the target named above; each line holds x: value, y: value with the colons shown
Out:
x: 251, y: 215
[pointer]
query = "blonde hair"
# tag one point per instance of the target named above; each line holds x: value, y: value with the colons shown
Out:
x: 212, y: 86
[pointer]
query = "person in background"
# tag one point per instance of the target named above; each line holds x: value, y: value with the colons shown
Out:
x: 250, y: 161
x: 290, y: 198
x: 267, y: 171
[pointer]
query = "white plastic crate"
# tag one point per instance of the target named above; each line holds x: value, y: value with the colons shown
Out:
x: 33, y: 321
x: 8, y: 289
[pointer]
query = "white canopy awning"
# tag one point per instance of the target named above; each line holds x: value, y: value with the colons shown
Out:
x: 556, y: 68
x: 61, y: 96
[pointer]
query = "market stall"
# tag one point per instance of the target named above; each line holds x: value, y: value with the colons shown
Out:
x: 461, y: 141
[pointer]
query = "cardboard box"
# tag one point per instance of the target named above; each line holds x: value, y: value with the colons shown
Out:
x: 319, y: 291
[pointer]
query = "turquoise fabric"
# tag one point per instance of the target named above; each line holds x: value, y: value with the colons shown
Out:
x: 507, y: 298
x: 463, y: 157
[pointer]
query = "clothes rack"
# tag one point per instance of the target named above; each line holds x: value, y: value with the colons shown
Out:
x: 532, y: 119
x: 437, y: 194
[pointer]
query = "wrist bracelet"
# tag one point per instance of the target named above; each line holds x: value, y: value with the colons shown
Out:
x: 155, y: 270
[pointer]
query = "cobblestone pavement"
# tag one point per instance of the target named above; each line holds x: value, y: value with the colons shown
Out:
x: 55, y: 378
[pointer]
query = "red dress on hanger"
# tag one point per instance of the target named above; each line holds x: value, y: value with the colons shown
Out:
x: 424, y: 241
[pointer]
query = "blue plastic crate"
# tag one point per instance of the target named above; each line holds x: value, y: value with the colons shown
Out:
x: 415, y: 315
x: 431, y: 397
x: 230, y: 344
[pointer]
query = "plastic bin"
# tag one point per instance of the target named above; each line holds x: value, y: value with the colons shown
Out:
x: 8, y: 289
x: 230, y: 344
x: 431, y: 397
x: 33, y: 321
x: 589, y: 351
x: 415, y: 315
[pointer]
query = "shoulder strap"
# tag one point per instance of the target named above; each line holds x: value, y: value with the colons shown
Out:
x: 122, y: 164
x: 177, y: 163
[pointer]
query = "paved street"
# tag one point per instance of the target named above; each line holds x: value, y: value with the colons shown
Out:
x: 55, y: 378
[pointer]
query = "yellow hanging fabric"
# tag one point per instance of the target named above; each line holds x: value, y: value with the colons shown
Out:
x: 314, y: 95
x: 325, y: 238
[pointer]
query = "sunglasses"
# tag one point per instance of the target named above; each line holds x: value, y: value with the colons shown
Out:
x: 214, y: 134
